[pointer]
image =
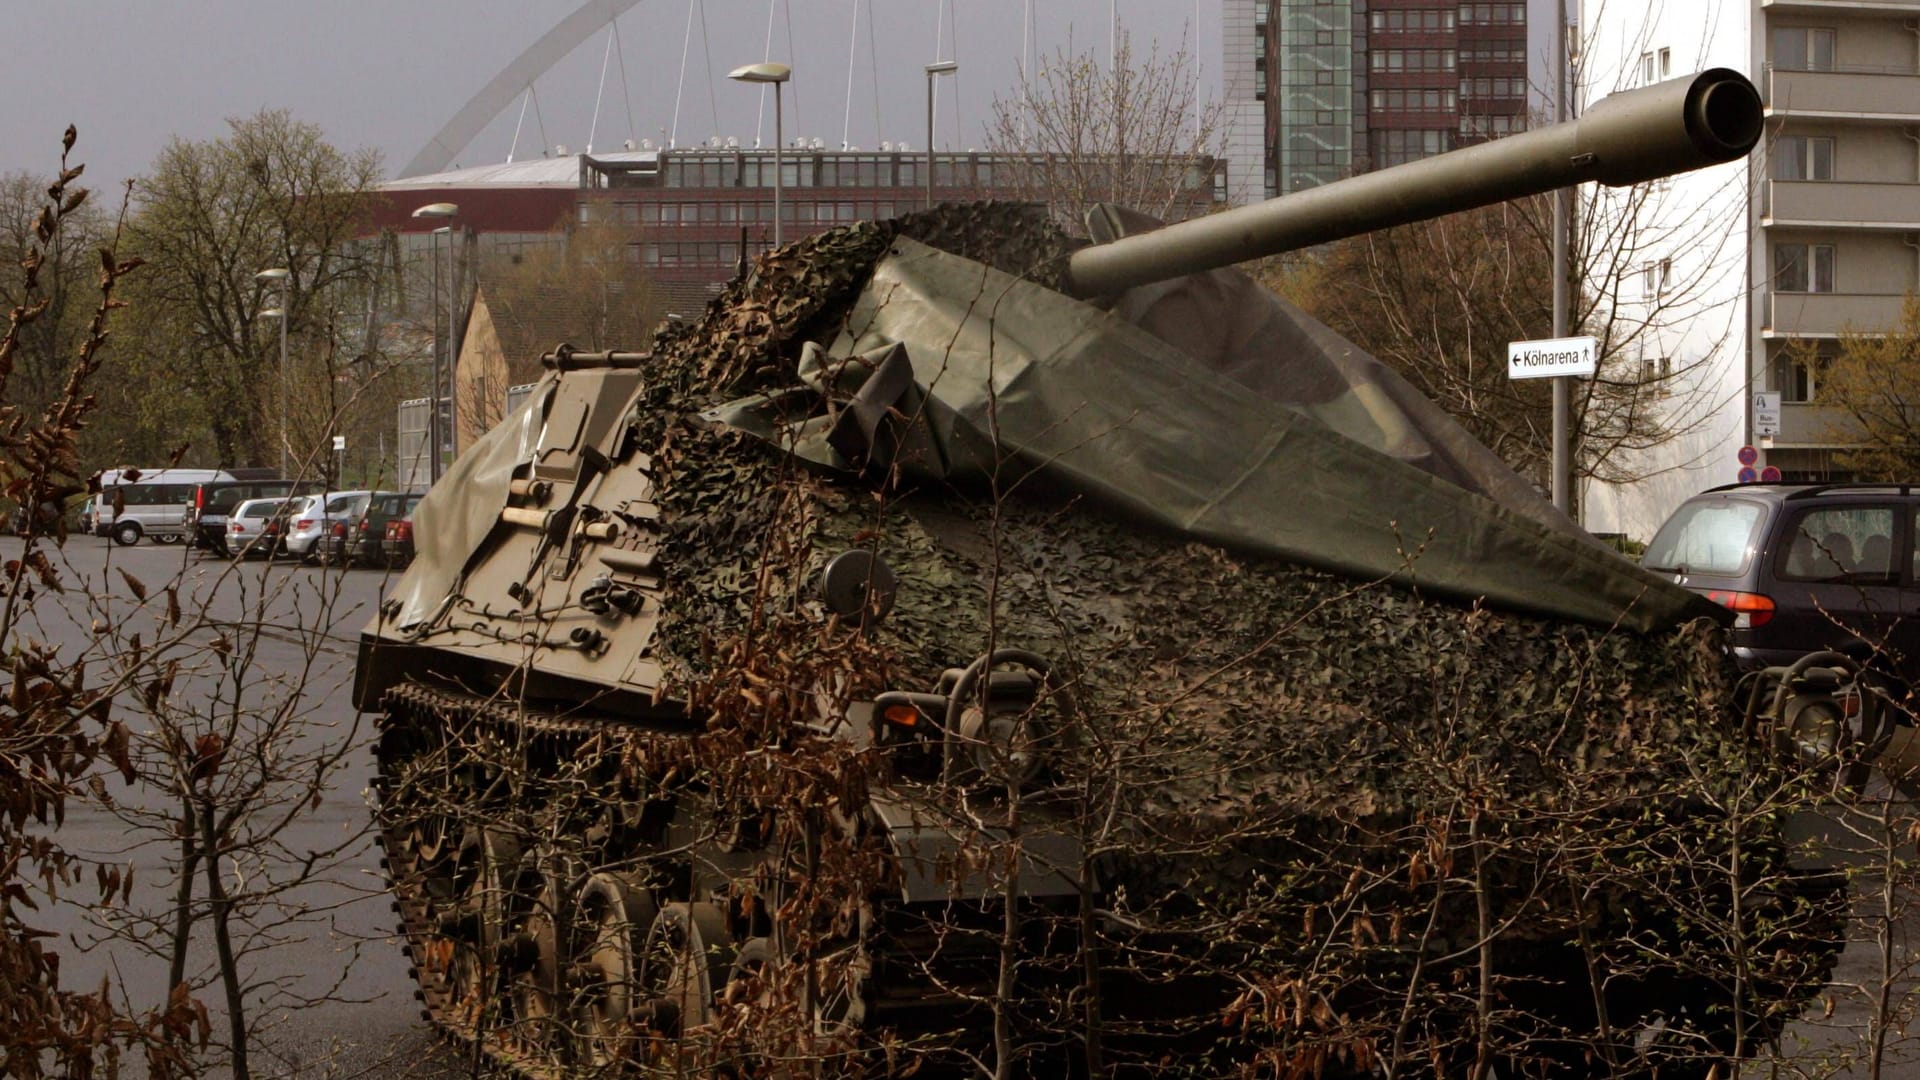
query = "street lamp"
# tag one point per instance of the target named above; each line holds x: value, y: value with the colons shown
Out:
x: 446, y: 211
x: 775, y: 74
x: 282, y: 277
x: 944, y: 67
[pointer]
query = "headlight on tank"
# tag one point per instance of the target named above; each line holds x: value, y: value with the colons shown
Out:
x: 1007, y: 716
x: 1000, y: 746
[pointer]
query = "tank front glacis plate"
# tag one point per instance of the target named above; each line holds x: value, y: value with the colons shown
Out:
x: 537, y: 550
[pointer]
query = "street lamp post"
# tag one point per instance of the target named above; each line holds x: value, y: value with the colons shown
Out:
x: 282, y: 277
x: 446, y: 211
x: 944, y: 67
x: 775, y: 74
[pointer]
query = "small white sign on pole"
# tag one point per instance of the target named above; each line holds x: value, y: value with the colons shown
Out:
x: 1766, y: 414
x: 339, y: 442
x: 1552, y: 357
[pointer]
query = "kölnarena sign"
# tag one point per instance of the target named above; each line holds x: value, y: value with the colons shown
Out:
x: 1553, y: 356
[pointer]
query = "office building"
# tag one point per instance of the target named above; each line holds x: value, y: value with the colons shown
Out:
x: 1337, y: 87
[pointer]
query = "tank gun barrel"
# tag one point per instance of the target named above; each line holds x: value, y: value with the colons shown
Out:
x: 1627, y: 138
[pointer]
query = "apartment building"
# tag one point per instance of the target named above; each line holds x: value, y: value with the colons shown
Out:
x: 1835, y: 233
x: 1763, y: 266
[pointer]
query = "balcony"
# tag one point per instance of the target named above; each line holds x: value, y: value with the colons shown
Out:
x: 1907, y: 8
x: 1825, y: 315
x: 1803, y: 424
x: 1832, y: 204
x: 1876, y: 96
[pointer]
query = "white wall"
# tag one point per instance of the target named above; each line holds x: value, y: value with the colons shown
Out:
x: 1701, y: 222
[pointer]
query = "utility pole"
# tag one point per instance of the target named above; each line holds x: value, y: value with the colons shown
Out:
x: 1562, y: 217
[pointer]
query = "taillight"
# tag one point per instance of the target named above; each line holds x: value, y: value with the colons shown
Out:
x: 363, y: 524
x: 1750, y: 610
x: 303, y: 523
x: 403, y: 531
x: 234, y: 526
x: 339, y: 528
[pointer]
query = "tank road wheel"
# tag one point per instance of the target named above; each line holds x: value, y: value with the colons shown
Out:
x: 611, y: 922
x: 471, y: 922
x: 838, y: 983
x: 533, y: 956
x: 689, y: 954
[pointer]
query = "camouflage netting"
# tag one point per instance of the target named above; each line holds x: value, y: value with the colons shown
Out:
x: 1398, y: 826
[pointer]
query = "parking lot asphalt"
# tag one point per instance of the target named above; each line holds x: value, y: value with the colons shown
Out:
x: 331, y: 994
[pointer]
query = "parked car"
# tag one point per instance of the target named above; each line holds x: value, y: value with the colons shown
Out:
x: 309, y: 521
x: 132, y: 503
x: 207, y: 508
x: 254, y: 527
x: 397, y: 544
x: 1804, y: 568
x: 357, y: 541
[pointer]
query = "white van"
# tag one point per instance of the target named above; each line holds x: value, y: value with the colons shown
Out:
x: 151, y: 502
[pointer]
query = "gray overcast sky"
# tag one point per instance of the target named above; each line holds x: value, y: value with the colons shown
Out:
x: 131, y: 74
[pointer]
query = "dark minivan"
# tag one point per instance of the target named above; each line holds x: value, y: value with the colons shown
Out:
x: 210, y: 504
x: 1804, y: 567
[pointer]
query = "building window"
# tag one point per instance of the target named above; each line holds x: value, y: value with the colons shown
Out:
x: 1803, y: 48
x: 1427, y: 21
x: 1483, y: 87
x: 1803, y: 157
x: 1413, y: 100
x: 1394, y: 146
x: 1655, y: 64
x: 1806, y: 268
x: 1492, y: 53
x: 1398, y: 60
x: 1492, y: 124
x: 1656, y: 371
x: 1656, y: 277
x: 1493, y: 14
x: 1798, y: 369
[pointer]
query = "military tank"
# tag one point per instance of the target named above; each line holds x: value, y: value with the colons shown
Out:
x: 966, y: 649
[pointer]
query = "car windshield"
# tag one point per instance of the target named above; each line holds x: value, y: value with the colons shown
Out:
x: 343, y: 504
x: 1714, y: 536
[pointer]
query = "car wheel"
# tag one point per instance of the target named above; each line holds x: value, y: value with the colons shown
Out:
x: 168, y: 538
x: 127, y: 533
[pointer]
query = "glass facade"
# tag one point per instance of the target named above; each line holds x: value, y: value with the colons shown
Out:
x: 1315, y: 91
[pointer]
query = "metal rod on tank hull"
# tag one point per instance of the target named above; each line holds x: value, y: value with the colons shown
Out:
x: 1630, y: 137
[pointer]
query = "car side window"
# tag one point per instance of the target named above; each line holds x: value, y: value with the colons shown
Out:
x: 1841, y: 543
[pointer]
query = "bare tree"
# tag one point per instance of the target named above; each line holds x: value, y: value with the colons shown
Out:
x: 1079, y: 131
x: 58, y: 734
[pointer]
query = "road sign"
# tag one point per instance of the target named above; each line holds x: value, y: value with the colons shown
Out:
x: 1766, y: 414
x: 1769, y: 475
x: 1552, y: 356
x: 1747, y: 475
x: 1748, y: 455
x: 339, y: 442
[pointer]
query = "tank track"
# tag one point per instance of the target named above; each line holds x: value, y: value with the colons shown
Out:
x: 416, y: 851
x: 467, y: 879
